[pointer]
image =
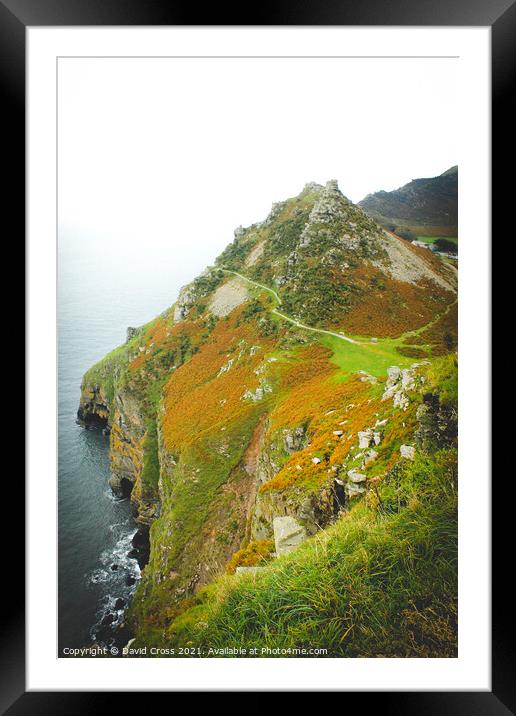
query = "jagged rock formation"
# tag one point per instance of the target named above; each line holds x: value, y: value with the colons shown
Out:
x: 94, y: 406
x: 335, y: 267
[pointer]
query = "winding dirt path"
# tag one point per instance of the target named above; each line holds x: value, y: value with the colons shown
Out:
x: 289, y: 318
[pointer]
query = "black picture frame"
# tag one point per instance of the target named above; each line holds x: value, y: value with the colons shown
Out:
x: 15, y: 17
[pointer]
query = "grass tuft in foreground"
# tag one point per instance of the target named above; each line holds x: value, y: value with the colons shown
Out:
x: 380, y: 582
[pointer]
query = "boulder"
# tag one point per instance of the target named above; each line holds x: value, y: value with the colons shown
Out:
x: 408, y: 452
x: 364, y: 438
x: 352, y: 490
x: 356, y: 477
x: 288, y: 534
x: 316, y: 460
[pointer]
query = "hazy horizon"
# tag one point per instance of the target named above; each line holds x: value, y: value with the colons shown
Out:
x: 160, y: 160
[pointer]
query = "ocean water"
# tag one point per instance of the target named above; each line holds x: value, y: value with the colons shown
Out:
x: 99, y: 295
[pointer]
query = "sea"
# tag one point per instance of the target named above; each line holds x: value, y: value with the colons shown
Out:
x: 100, y: 293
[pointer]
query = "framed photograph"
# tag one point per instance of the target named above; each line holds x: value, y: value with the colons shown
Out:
x: 258, y: 365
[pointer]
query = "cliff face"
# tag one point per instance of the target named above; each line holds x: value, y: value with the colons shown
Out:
x: 94, y: 405
x: 107, y: 400
x: 243, y: 420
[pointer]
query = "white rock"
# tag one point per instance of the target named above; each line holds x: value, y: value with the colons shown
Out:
x: 316, y: 460
x: 288, y: 534
x: 356, y: 477
x: 353, y: 490
x: 393, y: 373
x: 400, y: 401
x: 364, y: 438
x: 407, y: 379
x: 227, y: 366
x: 408, y: 452
x: 338, y: 433
x: 389, y: 392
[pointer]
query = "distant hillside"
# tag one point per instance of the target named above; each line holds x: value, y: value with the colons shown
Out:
x: 423, y: 207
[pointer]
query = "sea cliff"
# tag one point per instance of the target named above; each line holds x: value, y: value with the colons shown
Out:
x: 299, y: 392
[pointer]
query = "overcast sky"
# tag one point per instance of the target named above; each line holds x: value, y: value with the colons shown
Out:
x: 171, y: 155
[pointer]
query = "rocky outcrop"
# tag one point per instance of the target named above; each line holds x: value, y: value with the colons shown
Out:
x: 184, y: 302
x: 313, y: 511
x: 126, y: 443
x: 122, y: 416
x: 331, y: 205
x: 94, y: 406
x: 193, y: 292
x: 258, y: 393
x: 437, y: 423
x: 399, y: 382
x: 408, y: 452
x: 288, y: 534
x: 127, y: 452
x: 132, y: 333
x: 294, y: 439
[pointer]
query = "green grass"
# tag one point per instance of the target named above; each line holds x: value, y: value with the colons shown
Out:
x: 378, y: 583
x: 150, y: 472
x: 103, y: 372
x: 433, y: 239
x: 373, y: 358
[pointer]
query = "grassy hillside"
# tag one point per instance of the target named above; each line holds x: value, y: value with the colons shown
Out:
x: 422, y: 208
x: 245, y: 401
x: 381, y: 581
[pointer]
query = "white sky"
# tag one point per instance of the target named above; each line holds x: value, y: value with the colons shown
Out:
x: 165, y: 155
